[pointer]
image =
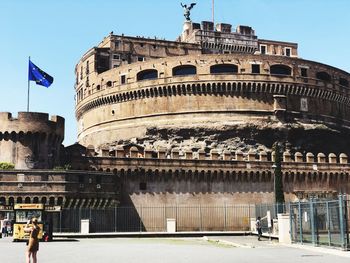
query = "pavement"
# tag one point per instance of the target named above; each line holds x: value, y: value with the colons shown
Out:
x: 207, y: 249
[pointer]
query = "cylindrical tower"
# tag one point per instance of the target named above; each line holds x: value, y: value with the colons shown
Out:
x: 32, y: 140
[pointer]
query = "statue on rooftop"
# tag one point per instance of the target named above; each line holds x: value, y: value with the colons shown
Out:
x: 187, y: 10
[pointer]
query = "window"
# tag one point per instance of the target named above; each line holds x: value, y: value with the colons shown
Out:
x: 323, y: 76
x: 122, y: 79
x: 288, y: 51
x: 255, y: 68
x: 280, y: 70
x: 116, y: 56
x: 87, y: 67
x: 117, y: 44
x: 98, y: 179
x: 263, y: 49
x: 147, y: 74
x: 81, y: 178
x: 303, y: 72
x: 184, y: 70
x: 344, y: 82
x: 223, y: 68
x: 98, y: 87
x: 140, y: 59
x: 109, y: 83
x: 143, y: 186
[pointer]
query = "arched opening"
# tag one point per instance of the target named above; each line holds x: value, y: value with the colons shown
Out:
x: 43, y: 200
x: 344, y: 82
x: 51, y: 201
x: 19, y: 200
x: 147, y: 74
x: 60, y: 200
x: 35, y: 200
x: 224, y: 69
x: 11, y: 201
x: 2, y: 201
x: 184, y: 70
x: 280, y: 70
x: 109, y: 84
x: 323, y: 76
x: 27, y: 200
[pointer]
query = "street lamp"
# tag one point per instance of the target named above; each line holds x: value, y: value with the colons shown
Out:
x: 274, y: 166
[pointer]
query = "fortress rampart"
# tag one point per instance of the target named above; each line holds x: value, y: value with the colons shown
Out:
x: 286, y: 89
x: 77, y: 189
x: 31, y: 140
x: 149, y: 177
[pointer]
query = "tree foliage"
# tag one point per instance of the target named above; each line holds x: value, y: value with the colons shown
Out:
x: 278, y: 187
x: 6, y: 166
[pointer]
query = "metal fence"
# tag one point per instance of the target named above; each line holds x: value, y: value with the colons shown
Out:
x: 154, y: 219
x: 320, y: 222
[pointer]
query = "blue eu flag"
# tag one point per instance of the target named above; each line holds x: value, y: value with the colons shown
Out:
x: 39, y: 76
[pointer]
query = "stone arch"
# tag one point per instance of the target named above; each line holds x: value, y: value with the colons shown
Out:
x: 184, y: 70
x: 11, y: 200
x: 52, y: 200
x: 322, y: 75
x: 280, y: 69
x: 147, y: 74
x: 224, y: 69
x: 60, y: 200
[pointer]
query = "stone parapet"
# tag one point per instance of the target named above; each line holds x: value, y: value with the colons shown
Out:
x: 32, y: 140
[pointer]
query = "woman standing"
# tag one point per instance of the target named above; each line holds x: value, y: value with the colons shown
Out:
x: 33, y: 243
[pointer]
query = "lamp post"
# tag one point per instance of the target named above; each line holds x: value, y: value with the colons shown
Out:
x: 274, y: 166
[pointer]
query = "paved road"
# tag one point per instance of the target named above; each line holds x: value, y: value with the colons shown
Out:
x: 159, y: 250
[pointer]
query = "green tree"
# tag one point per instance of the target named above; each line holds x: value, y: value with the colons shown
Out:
x: 278, y: 184
x: 6, y: 166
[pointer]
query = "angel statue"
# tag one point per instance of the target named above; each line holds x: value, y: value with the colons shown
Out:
x: 187, y: 10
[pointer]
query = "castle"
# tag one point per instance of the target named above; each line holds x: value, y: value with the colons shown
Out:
x: 190, y: 121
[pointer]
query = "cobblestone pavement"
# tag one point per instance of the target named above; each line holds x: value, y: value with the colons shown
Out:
x: 169, y: 250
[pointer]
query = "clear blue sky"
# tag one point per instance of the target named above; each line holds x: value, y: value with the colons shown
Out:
x: 56, y: 34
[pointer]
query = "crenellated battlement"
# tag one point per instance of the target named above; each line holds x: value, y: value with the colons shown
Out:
x: 215, y: 155
x: 32, y: 140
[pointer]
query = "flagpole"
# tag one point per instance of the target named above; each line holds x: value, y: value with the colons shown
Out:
x: 213, y: 10
x: 28, y: 88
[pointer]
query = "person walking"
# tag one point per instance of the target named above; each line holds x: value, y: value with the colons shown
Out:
x: 33, y: 242
x: 259, y: 227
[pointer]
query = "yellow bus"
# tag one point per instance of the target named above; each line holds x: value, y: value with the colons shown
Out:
x: 23, y: 213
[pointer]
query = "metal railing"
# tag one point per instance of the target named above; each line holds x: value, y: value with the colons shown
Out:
x: 320, y: 222
x: 153, y: 219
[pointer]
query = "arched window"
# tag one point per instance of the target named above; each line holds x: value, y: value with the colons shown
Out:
x: 323, y: 76
x: 344, y: 82
x: 224, y: 69
x: 280, y: 70
x: 184, y: 70
x: 109, y: 83
x: 147, y: 74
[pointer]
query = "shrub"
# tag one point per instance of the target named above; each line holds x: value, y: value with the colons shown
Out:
x: 6, y: 166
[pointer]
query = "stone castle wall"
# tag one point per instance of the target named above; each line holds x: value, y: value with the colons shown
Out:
x: 31, y: 140
x: 151, y: 178
x: 109, y: 110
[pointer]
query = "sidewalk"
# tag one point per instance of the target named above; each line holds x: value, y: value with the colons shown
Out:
x: 151, y: 234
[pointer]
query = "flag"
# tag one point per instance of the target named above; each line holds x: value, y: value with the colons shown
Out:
x: 39, y: 76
